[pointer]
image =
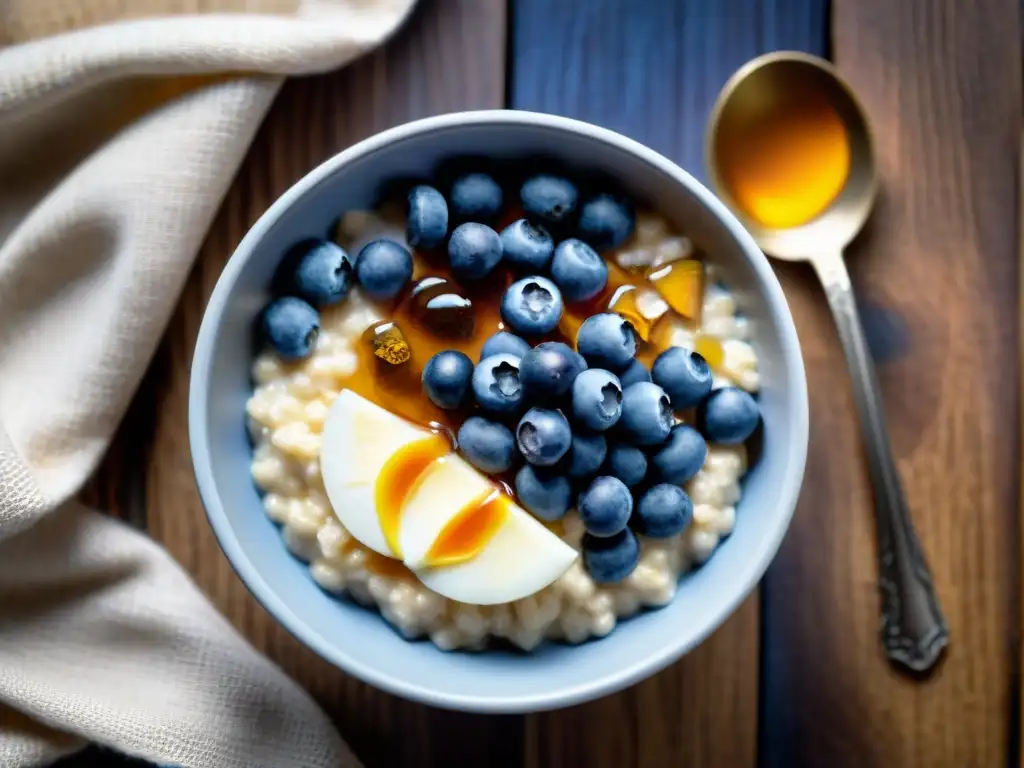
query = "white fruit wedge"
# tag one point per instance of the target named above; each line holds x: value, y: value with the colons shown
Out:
x: 512, y: 555
x: 359, y: 437
x: 449, y: 488
x: 463, y: 538
x: 520, y: 559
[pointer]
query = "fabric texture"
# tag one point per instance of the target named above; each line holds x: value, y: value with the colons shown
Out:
x: 120, y: 136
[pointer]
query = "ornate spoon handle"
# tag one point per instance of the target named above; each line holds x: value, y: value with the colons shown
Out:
x: 914, y: 630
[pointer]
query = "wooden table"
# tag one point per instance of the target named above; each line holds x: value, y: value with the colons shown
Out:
x: 795, y: 677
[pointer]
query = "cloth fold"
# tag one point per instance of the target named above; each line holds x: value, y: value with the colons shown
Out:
x: 120, y: 139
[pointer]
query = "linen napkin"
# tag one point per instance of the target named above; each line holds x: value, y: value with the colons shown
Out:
x: 121, y: 127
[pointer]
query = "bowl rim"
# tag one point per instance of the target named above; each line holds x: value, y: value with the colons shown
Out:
x: 249, y: 572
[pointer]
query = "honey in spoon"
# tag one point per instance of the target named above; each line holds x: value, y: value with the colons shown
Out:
x: 787, y: 159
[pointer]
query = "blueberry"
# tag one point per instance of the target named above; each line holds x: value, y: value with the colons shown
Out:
x: 606, y: 221
x: 324, y: 274
x: 544, y: 436
x: 447, y: 378
x: 546, y: 494
x: 496, y: 384
x: 487, y: 445
x: 605, y: 506
x: 383, y: 268
x: 291, y: 326
x: 504, y: 343
x: 728, y: 415
x: 682, y: 456
x: 635, y: 371
x: 532, y: 306
x: 548, y: 371
x: 473, y: 251
x: 628, y: 463
x: 526, y: 246
x: 596, y: 399
x: 611, y: 559
x: 684, y: 375
x: 586, y: 455
x: 606, y: 341
x: 646, y: 414
x: 549, y: 199
x: 475, y: 197
x: 578, y: 270
x: 664, y: 510
x: 426, y: 222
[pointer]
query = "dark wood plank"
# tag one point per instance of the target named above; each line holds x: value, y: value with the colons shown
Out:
x: 651, y: 69
x: 1016, y: 755
x: 449, y: 56
x: 941, y: 82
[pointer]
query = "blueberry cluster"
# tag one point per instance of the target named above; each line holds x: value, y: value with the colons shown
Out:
x: 532, y: 306
x: 592, y: 429
x: 567, y: 269
x: 322, y: 276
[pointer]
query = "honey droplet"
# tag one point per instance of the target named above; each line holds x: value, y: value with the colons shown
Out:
x: 440, y: 305
x: 388, y: 343
x: 443, y: 430
x: 681, y: 284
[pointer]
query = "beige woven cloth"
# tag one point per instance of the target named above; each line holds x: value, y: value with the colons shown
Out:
x: 118, y: 138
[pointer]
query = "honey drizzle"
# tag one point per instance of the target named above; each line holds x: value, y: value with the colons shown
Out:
x: 399, y: 477
x: 464, y: 535
x: 469, y: 530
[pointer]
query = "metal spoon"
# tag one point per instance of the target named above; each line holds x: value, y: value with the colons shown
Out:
x: 914, y: 630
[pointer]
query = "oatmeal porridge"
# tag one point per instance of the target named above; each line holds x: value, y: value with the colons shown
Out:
x: 618, y: 457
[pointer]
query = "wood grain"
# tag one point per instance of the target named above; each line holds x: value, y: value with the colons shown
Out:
x: 449, y: 56
x: 942, y: 85
x: 651, y: 69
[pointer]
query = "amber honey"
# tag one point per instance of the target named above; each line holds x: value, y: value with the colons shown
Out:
x: 398, y: 478
x: 682, y: 285
x: 469, y: 530
x: 787, y: 160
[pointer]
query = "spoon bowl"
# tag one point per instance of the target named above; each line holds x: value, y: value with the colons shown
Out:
x: 768, y: 81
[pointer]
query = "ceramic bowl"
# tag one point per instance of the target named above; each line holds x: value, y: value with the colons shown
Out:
x: 357, y: 639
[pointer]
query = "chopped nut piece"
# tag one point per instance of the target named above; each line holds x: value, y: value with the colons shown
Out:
x: 388, y: 343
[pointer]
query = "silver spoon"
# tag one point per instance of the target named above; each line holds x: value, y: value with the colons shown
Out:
x: 914, y: 631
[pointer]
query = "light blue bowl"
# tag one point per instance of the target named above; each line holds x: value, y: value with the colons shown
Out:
x: 358, y: 640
